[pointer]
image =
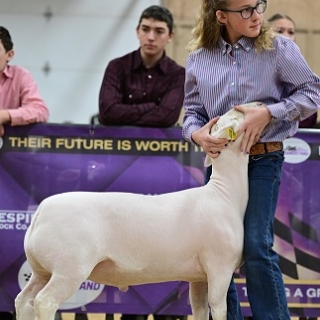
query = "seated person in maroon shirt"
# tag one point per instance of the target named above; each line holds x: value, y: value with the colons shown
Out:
x: 144, y: 87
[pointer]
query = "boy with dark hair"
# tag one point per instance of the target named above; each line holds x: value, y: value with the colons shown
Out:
x: 144, y: 87
x: 158, y: 13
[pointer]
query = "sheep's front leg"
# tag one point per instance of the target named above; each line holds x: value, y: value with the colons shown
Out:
x: 198, y: 292
x: 218, y: 285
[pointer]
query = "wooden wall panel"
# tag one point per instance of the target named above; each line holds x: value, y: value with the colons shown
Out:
x: 177, y: 49
x: 315, y: 50
x: 185, y: 10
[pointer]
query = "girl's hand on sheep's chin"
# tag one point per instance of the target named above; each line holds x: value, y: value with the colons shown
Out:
x: 211, y: 146
x: 256, y: 119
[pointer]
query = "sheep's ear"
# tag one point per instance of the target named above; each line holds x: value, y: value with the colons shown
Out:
x: 207, y: 161
x: 231, y: 133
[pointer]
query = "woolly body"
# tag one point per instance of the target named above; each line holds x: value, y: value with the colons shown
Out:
x: 123, y: 239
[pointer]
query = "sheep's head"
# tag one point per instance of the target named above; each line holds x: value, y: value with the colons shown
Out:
x: 228, y: 125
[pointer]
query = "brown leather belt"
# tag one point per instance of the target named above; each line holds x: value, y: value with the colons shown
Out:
x: 266, y: 147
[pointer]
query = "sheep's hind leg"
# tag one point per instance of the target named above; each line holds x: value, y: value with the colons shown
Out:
x: 198, y: 292
x: 58, y: 289
x: 25, y: 299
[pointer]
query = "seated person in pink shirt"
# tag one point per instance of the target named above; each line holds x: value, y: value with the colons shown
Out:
x: 145, y: 87
x: 20, y: 101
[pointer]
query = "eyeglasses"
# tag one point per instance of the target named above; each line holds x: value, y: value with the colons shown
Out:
x: 248, y: 12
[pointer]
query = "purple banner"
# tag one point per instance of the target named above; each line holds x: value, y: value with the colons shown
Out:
x: 41, y: 160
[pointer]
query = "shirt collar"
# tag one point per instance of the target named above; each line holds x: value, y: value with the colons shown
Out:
x: 163, y: 64
x: 245, y: 43
x: 7, y: 71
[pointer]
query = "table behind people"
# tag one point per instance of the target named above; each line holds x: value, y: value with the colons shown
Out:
x: 144, y: 87
x: 20, y: 100
x: 283, y: 24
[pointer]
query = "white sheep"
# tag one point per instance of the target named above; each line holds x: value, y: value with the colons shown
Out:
x: 122, y: 239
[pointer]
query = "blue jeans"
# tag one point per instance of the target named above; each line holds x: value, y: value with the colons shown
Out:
x: 265, y: 285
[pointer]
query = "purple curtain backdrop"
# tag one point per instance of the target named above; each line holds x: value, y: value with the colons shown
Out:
x: 40, y: 160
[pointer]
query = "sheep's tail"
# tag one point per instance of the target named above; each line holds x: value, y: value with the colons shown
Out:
x: 32, y: 225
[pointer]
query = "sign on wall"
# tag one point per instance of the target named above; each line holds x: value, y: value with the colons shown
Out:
x: 41, y: 160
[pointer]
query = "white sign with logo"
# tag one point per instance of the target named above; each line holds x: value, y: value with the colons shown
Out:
x: 296, y: 150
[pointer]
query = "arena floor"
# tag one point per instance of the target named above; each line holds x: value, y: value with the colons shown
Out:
x: 97, y: 316
x: 91, y: 316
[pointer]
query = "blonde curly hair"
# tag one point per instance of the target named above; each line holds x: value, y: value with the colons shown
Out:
x: 208, y: 29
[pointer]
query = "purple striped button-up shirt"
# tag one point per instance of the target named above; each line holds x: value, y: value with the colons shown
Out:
x: 219, y: 78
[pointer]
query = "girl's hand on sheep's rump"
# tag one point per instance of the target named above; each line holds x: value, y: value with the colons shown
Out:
x: 211, y: 146
x: 256, y: 119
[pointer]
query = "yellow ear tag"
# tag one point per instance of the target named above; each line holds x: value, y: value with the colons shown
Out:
x: 231, y: 133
